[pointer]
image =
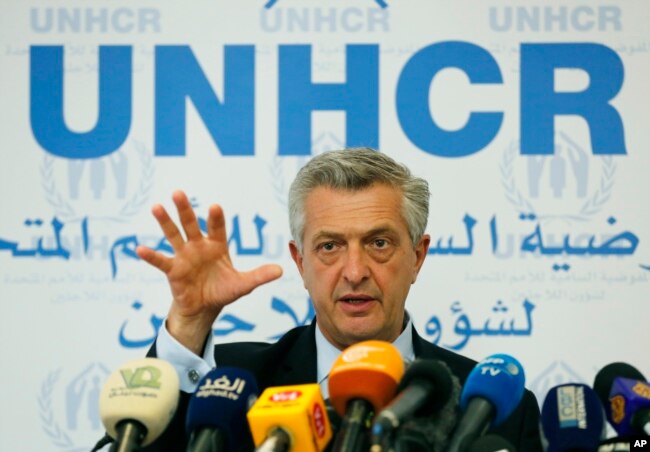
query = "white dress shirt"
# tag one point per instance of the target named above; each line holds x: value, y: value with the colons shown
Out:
x: 191, y: 367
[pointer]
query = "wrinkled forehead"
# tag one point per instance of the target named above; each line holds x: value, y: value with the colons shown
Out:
x: 341, y: 209
x: 353, y: 190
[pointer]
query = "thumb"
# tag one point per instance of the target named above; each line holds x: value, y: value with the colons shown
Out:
x: 261, y: 275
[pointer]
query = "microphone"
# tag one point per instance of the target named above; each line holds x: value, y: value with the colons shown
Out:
x: 626, y: 397
x: 361, y: 382
x: 431, y: 433
x: 572, y: 419
x: 491, y: 443
x: 630, y: 406
x: 333, y: 417
x: 216, y: 414
x: 290, y: 418
x: 492, y: 391
x: 605, y: 377
x: 425, y: 388
x: 137, y: 402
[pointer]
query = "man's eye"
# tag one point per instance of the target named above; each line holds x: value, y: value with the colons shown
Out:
x: 380, y: 243
x: 329, y: 246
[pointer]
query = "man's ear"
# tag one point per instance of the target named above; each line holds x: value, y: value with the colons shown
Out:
x: 295, y: 255
x: 421, y: 251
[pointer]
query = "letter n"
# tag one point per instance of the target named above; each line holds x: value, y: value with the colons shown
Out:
x: 231, y: 122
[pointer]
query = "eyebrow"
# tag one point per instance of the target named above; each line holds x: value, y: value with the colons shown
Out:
x: 327, y: 235
x: 338, y: 236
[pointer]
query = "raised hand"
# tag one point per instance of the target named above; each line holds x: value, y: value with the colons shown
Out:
x: 200, y: 274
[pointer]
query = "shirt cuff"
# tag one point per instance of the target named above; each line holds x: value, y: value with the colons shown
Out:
x: 189, y: 366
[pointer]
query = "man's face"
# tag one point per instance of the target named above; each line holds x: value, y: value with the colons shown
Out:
x: 358, y: 262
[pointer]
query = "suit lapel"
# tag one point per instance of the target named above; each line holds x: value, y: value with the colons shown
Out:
x: 422, y: 348
x: 298, y: 365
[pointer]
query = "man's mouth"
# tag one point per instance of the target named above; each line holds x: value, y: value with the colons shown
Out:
x: 356, y: 299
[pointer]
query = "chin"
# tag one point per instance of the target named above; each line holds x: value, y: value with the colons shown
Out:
x: 364, y: 334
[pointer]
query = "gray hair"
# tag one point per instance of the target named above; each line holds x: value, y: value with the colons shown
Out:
x: 356, y: 169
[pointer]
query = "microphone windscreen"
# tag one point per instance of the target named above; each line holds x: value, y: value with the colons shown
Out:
x: 368, y: 370
x: 605, y: 377
x: 434, y: 429
x: 572, y: 418
x: 222, y: 398
x: 434, y: 372
x: 145, y: 390
x: 299, y: 410
x: 498, y: 379
x: 627, y: 398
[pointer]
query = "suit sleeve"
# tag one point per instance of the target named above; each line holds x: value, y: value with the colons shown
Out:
x: 529, y: 434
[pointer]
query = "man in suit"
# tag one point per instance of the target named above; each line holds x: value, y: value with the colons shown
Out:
x: 357, y: 220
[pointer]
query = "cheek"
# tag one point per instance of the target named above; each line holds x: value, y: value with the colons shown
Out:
x: 397, y: 278
x: 317, y: 277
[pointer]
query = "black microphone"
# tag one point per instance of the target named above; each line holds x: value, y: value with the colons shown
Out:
x: 491, y: 443
x: 605, y: 377
x: 335, y: 419
x: 625, y: 396
x: 431, y: 433
x: 424, y: 388
x: 630, y: 406
x: 492, y: 391
x: 138, y: 401
x: 216, y: 414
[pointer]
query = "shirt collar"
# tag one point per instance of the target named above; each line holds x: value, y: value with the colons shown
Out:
x: 326, y: 353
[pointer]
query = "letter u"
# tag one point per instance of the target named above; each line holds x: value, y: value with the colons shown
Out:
x: 114, y: 99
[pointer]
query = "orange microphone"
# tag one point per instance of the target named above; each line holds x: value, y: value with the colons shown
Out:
x: 363, y: 380
x: 288, y: 418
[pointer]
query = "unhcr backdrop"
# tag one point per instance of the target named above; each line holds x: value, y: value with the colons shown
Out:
x: 529, y: 120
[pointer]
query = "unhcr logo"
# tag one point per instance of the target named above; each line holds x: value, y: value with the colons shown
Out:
x: 68, y: 407
x: 271, y: 3
x: 325, y: 19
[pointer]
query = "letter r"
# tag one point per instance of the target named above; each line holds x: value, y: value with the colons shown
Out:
x: 540, y: 103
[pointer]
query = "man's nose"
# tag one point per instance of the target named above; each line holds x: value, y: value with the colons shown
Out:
x: 355, y: 267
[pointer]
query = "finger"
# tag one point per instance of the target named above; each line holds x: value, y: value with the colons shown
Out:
x: 187, y: 216
x: 158, y: 260
x: 216, y: 224
x: 261, y: 275
x: 171, y: 232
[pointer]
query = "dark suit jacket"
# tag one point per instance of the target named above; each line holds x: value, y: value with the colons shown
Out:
x: 292, y: 360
